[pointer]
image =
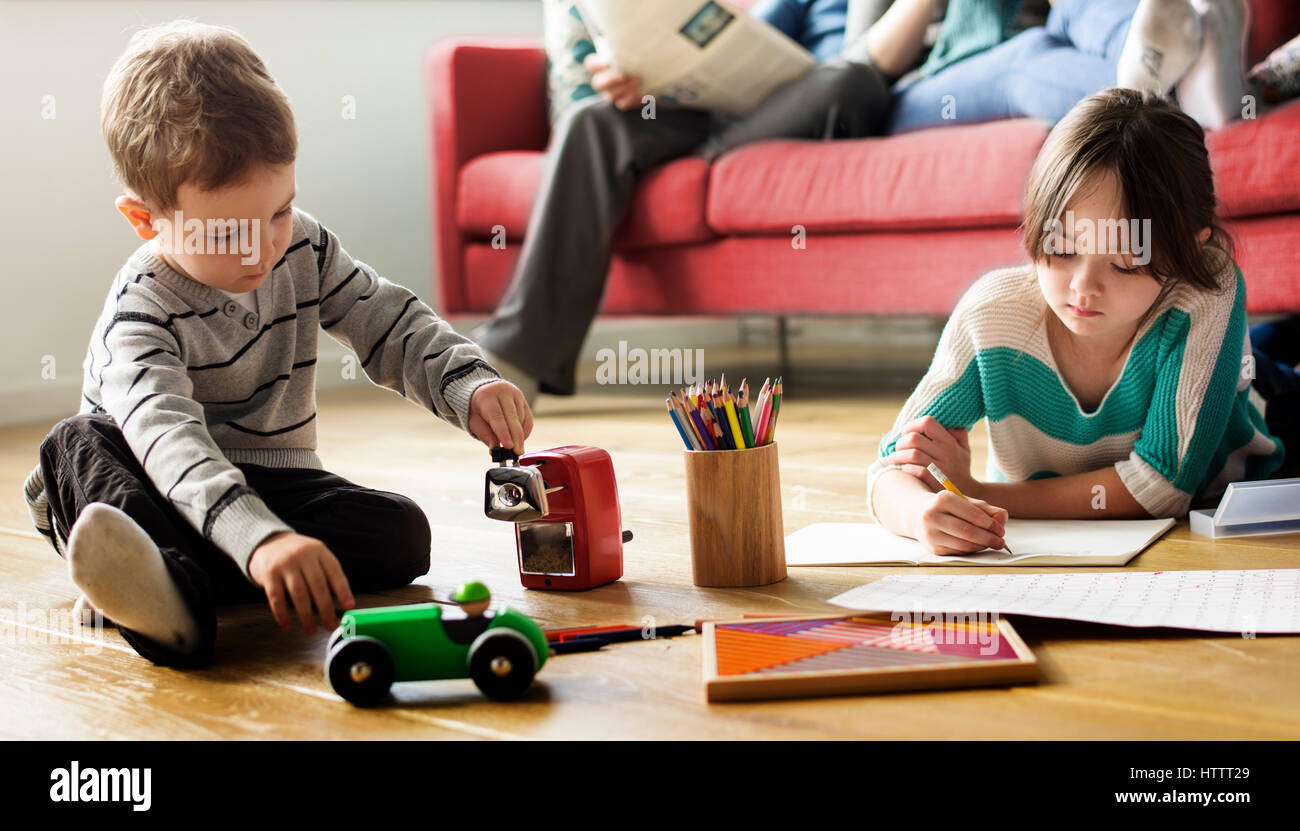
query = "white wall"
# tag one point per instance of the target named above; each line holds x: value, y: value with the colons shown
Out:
x: 367, y: 179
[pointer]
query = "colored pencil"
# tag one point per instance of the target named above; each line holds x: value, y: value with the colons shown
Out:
x: 637, y: 633
x: 705, y: 435
x: 683, y: 417
x: 709, y: 415
x: 742, y: 405
x: 762, y: 412
x: 776, y: 411
x: 578, y: 645
x: 690, y: 445
x: 591, y: 630
x: 711, y: 422
x: 724, y: 420
x: 720, y: 415
x: 736, y: 432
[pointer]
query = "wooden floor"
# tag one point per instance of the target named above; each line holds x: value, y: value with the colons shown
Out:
x: 1097, y: 682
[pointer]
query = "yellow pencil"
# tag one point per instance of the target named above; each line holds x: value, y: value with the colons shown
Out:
x: 948, y: 485
x: 730, y: 404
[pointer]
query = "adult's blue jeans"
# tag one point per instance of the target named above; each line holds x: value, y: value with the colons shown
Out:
x: 1276, y: 348
x: 1042, y: 72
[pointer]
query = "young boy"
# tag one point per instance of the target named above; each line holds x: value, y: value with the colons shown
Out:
x: 190, y: 476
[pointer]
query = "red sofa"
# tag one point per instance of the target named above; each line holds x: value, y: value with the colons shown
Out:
x: 898, y: 225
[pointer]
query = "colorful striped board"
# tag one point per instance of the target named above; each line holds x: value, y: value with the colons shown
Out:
x: 810, y: 655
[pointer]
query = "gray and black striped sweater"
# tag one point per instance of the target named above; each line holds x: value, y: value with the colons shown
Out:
x: 196, y: 382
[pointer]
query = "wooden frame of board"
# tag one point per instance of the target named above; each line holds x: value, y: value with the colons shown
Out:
x: 1019, y: 666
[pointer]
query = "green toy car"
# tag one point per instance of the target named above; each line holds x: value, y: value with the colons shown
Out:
x: 501, y: 649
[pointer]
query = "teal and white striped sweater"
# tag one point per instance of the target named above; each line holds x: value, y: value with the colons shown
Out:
x: 1177, y: 425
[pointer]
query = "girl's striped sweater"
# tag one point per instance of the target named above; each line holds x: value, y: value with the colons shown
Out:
x: 1177, y: 424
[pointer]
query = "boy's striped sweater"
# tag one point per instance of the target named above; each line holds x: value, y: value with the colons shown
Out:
x: 196, y: 382
x: 1177, y: 424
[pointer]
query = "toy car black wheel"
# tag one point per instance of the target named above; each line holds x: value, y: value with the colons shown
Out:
x: 361, y: 670
x: 502, y: 664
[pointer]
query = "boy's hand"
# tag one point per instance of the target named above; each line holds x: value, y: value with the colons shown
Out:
x: 622, y: 90
x: 952, y: 525
x: 305, y: 569
x: 499, y: 416
x: 925, y: 440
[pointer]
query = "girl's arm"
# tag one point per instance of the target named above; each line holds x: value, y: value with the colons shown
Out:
x: 1095, y: 494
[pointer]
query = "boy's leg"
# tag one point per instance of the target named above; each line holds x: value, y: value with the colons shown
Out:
x: 86, y: 460
x: 597, y: 155
x: 381, y: 539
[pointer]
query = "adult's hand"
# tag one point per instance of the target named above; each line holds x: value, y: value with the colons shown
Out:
x: 619, y: 88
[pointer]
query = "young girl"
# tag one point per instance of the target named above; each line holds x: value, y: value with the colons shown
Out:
x: 1114, y: 370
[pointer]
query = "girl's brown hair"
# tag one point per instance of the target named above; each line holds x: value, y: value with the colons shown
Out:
x: 1157, y: 153
x: 188, y: 102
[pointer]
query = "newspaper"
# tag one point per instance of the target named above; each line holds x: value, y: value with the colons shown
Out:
x: 695, y: 53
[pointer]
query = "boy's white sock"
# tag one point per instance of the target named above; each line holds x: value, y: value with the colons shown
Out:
x: 1164, y: 38
x: 122, y: 572
x: 1214, y: 85
x: 85, y: 612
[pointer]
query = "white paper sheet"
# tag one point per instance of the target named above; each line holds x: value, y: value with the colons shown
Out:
x: 1245, y: 602
x: 1036, y: 542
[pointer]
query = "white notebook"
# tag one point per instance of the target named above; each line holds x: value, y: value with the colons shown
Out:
x: 1036, y: 542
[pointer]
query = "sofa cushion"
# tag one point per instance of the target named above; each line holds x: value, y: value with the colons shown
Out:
x: 1257, y: 163
x: 950, y: 177
x: 499, y: 188
x: 961, y: 177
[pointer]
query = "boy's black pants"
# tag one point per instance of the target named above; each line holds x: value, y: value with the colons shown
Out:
x: 381, y: 539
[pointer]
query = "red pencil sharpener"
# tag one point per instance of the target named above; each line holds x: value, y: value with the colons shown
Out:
x: 564, y: 504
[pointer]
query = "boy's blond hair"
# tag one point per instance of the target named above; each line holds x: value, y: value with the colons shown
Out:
x: 189, y: 102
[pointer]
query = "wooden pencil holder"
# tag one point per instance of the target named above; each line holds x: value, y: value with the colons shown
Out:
x: 734, y: 502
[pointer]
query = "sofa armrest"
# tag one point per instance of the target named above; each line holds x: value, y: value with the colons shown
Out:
x: 485, y: 95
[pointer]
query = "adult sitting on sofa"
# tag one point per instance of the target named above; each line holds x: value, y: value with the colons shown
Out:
x: 600, y: 147
x: 545, y: 303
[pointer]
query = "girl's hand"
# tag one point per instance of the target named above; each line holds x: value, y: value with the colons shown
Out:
x: 925, y: 440
x: 499, y: 416
x: 952, y: 525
